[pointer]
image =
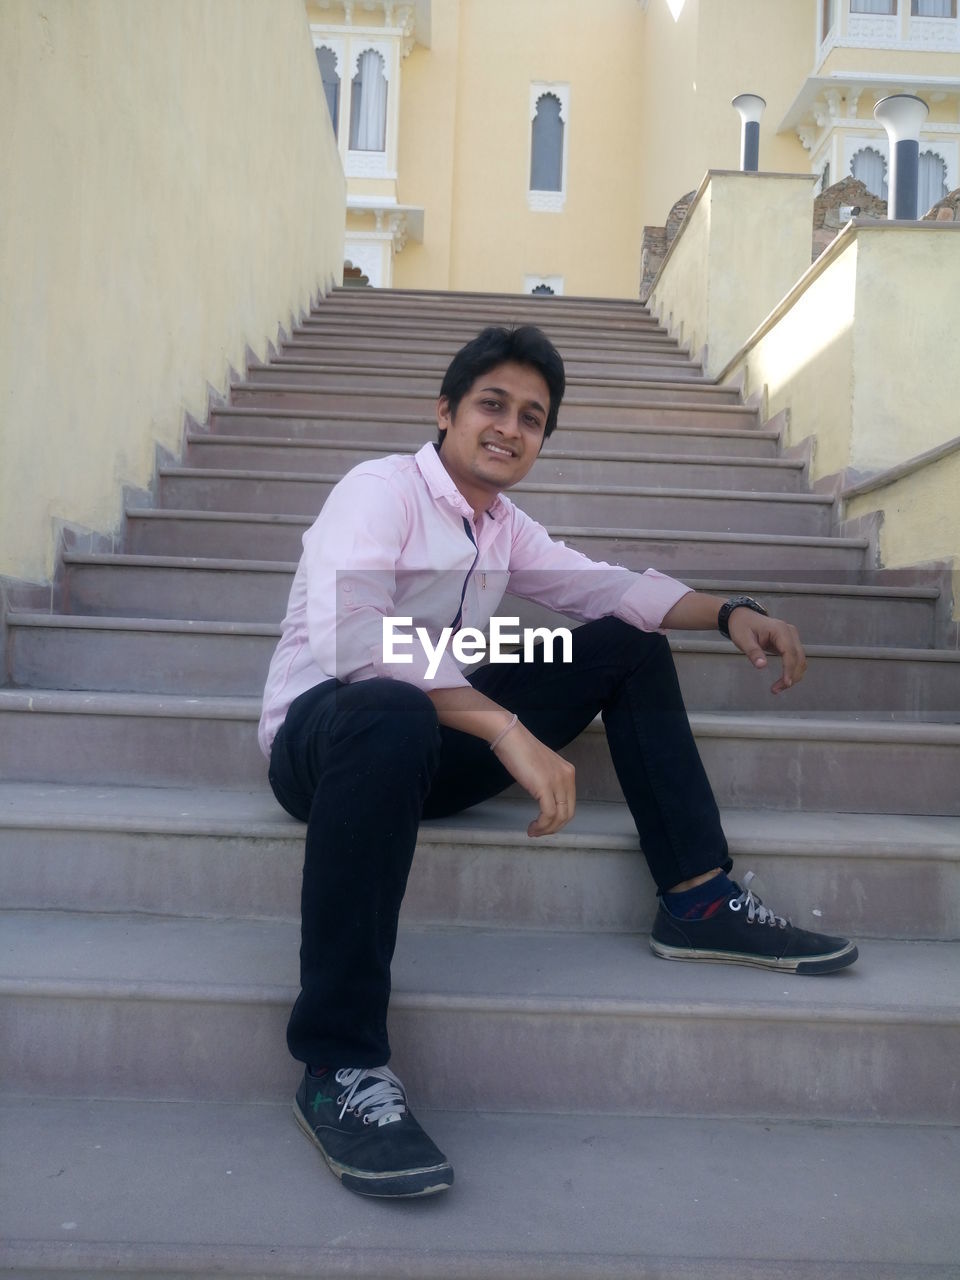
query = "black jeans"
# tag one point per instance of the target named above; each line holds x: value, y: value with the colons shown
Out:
x: 362, y: 763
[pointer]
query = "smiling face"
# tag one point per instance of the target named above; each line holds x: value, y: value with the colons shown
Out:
x: 495, y: 436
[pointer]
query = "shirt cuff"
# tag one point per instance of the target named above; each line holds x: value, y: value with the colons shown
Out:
x: 647, y: 601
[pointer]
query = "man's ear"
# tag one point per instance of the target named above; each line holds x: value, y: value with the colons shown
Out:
x: 444, y: 418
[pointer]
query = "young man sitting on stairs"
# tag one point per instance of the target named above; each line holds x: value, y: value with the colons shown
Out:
x: 360, y: 748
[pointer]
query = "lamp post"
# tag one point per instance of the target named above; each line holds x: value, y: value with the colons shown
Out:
x: 902, y: 115
x: 750, y: 106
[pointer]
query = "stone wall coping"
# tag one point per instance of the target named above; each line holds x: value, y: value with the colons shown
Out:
x: 903, y: 469
x: 707, y: 178
x: 833, y: 250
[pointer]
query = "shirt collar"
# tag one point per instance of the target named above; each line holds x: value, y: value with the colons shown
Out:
x: 441, y: 485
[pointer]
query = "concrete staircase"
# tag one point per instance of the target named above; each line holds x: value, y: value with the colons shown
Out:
x: 608, y: 1114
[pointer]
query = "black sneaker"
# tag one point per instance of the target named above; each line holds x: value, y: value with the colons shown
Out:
x: 744, y: 931
x: 358, y: 1117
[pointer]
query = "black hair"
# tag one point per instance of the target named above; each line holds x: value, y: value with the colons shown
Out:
x: 495, y: 345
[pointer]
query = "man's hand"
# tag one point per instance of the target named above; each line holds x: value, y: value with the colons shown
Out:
x: 755, y: 635
x: 549, y: 778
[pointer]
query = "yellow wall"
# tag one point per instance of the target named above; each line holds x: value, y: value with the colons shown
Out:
x: 862, y: 352
x: 694, y: 68
x: 504, y: 46
x: 804, y: 361
x: 428, y: 116
x: 171, y: 192
x: 745, y: 241
x: 920, y: 521
x: 906, y: 366
x: 914, y: 62
x: 920, y: 525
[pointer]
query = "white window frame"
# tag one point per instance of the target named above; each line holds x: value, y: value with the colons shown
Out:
x: 552, y: 282
x: 348, y: 44
x: 549, y: 201
x: 338, y: 48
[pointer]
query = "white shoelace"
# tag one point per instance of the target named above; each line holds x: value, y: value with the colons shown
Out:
x: 383, y: 1100
x: 756, y: 911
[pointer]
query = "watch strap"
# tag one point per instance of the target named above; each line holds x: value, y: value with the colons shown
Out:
x: 736, y: 602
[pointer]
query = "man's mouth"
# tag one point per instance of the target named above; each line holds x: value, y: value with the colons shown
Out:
x: 497, y: 449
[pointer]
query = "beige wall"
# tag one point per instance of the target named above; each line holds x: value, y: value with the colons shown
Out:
x: 695, y: 67
x: 920, y: 521
x: 804, y: 360
x: 920, y: 525
x: 428, y: 119
x: 906, y: 366
x: 863, y: 350
x: 504, y: 46
x: 171, y: 193
x: 913, y: 62
x: 745, y: 242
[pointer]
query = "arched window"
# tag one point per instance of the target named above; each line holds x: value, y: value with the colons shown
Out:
x: 368, y: 104
x: 870, y: 167
x: 932, y: 184
x: 327, y: 62
x: 544, y: 289
x: 546, y: 153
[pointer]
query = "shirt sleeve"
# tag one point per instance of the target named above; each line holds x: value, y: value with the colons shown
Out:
x: 352, y: 556
x: 563, y: 579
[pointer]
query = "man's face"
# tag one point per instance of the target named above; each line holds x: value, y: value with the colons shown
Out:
x: 496, y: 435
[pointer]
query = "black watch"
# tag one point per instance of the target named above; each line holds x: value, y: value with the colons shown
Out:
x: 736, y: 602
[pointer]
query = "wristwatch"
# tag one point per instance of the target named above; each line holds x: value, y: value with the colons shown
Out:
x: 736, y: 602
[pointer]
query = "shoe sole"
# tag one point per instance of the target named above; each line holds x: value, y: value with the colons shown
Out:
x: 813, y: 964
x: 406, y: 1185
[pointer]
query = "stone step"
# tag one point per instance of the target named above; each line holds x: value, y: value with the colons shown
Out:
x: 427, y: 382
x: 149, y: 655
x: 684, y: 554
x: 555, y: 464
x: 169, y: 1007
x: 503, y: 309
x: 575, y: 410
x: 561, y: 302
x: 461, y: 329
x: 417, y: 429
x: 296, y: 493
x: 161, y: 1189
x: 570, y: 343
x: 414, y: 353
x: 849, y: 764
x: 252, y: 591
x: 184, y: 852
x: 472, y: 319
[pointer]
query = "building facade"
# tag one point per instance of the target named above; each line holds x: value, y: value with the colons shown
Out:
x: 522, y: 145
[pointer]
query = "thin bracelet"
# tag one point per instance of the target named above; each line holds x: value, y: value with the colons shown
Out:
x: 503, y: 733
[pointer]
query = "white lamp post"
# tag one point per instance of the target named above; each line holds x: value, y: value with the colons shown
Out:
x: 902, y: 115
x: 750, y: 106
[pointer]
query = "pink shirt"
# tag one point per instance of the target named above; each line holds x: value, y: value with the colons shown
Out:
x: 396, y: 538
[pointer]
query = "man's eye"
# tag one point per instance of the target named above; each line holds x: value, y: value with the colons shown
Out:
x: 532, y: 420
x: 490, y: 404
